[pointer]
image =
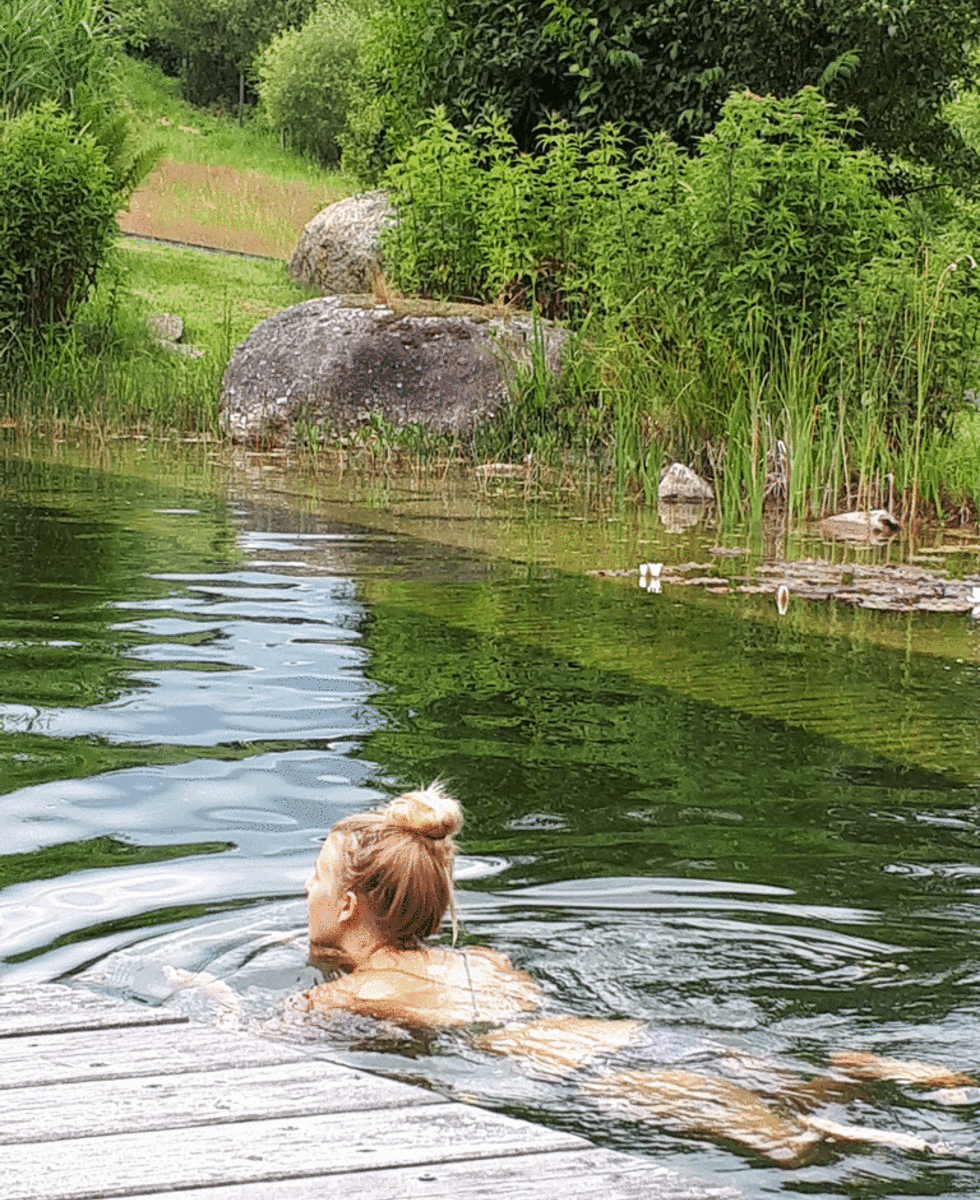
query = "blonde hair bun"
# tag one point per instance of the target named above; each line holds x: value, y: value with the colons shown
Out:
x: 430, y: 811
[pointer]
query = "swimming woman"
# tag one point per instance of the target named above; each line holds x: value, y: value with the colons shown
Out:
x: 381, y: 886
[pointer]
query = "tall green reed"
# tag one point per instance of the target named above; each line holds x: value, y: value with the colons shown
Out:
x: 761, y: 311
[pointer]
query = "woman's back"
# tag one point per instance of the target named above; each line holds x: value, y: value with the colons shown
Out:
x: 431, y: 986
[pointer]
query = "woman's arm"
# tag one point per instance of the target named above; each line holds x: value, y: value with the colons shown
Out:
x: 556, y: 1046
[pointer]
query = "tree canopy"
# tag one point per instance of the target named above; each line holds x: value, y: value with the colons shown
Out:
x: 668, y: 65
x: 214, y: 40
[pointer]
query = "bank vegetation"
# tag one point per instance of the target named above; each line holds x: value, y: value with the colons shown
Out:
x: 761, y: 239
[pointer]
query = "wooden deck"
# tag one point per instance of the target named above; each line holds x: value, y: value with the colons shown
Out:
x: 100, y: 1097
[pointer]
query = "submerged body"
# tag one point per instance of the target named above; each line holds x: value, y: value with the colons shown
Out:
x: 381, y: 886
x: 431, y: 987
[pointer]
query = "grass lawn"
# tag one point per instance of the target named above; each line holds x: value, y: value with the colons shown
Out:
x: 220, y: 206
x: 220, y: 298
x: 218, y: 184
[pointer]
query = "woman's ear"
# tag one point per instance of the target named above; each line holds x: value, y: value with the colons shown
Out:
x: 349, y: 907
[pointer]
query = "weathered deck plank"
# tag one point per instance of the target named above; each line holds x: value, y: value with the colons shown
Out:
x: 55, y: 1008
x: 100, y: 1104
x: 332, y: 1144
x: 590, y: 1174
x: 215, y: 1097
x: 152, y: 1050
x: 27, y: 1024
x: 18, y: 998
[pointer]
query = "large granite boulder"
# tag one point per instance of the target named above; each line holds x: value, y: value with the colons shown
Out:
x: 339, y: 251
x: 335, y: 361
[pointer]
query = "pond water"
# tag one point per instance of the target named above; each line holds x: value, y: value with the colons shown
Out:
x: 756, y: 830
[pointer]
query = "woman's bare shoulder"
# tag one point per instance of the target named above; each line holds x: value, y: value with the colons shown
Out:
x: 491, y: 964
x: 432, y: 986
x: 493, y: 957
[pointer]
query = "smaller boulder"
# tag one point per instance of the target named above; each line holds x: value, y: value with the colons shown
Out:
x: 168, y: 331
x: 681, y: 484
x: 339, y: 251
x: 165, y: 327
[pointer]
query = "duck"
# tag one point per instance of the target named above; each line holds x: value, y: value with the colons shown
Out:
x: 876, y: 523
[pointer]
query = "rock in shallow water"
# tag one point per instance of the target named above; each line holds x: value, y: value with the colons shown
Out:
x: 681, y: 484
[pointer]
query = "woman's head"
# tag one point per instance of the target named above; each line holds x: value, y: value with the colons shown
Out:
x: 398, y: 861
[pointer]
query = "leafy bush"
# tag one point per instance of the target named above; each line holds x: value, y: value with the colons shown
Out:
x: 216, y: 41
x: 472, y: 58
x: 759, y: 300
x: 59, y: 202
x: 669, y: 66
x: 777, y: 213
x: 663, y: 68
x: 479, y: 220
x: 308, y: 76
x: 68, y: 153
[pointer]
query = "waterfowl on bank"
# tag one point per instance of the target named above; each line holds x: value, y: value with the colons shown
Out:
x: 878, y: 523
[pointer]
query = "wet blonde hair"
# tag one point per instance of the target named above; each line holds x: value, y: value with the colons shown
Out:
x: 400, y: 860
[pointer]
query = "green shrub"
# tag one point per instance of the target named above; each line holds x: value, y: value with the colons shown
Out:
x: 479, y: 220
x: 779, y: 213
x: 761, y: 301
x: 669, y: 66
x: 58, y: 204
x: 308, y: 76
x: 216, y: 41
x: 666, y: 66
x: 473, y: 58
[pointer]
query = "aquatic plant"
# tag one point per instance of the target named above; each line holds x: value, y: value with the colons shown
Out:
x: 762, y: 310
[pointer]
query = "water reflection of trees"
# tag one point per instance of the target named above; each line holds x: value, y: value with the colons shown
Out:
x: 74, y: 543
x: 598, y: 737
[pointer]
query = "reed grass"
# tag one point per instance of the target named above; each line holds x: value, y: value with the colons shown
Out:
x: 107, y: 373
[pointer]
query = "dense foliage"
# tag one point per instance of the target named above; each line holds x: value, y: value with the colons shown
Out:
x: 307, y: 79
x: 776, y: 213
x: 761, y: 294
x: 214, y: 41
x: 59, y: 202
x: 669, y: 65
x: 68, y: 158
